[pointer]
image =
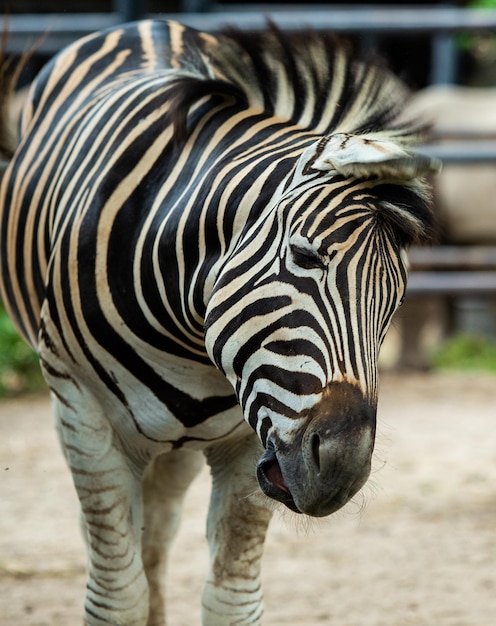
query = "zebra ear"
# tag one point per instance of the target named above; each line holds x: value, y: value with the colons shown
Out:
x: 363, y: 156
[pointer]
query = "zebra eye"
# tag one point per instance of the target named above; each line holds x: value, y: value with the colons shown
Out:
x: 306, y: 259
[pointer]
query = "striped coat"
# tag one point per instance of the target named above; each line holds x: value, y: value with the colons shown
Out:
x: 203, y: 238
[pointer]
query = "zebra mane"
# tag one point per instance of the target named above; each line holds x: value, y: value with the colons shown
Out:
x: 309, y: 79
x: 314, y: 81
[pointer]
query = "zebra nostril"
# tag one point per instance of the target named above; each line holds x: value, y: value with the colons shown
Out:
x: 315, y: 450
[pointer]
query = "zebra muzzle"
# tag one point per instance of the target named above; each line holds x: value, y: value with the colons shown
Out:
x: 328, y: 461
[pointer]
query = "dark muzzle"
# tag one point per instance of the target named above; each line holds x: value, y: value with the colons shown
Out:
x: 328, y: 460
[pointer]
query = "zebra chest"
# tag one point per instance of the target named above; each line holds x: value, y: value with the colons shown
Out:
x: 193, y: 406
x: 154, y: 399
x: 167, y: 403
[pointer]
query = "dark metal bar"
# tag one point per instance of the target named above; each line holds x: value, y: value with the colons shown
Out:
x: 196, y: 6
x: 453, y: 258
x: 444, y: 66
x: 128, y: 10
x: 443, y: 283
x: 470, y: 152
x: 373, y: 19
x: 60, y: 29
x: 50, y: 32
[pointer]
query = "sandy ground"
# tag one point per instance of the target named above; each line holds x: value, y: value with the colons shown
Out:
x: 418, y: 548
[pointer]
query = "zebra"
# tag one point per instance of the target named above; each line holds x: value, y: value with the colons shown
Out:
x: 203, y: 236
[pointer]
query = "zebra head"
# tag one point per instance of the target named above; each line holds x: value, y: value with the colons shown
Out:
x: 300, y: 309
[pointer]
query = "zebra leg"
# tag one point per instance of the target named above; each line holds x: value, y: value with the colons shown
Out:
x: 109, y: 491
x: 164, y: 486
x: 236, y: 529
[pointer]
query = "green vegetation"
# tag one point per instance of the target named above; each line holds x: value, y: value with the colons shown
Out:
x: 467, y: 352
x: 19, y: 369
x: 481, y: 45
x: 482, y: 4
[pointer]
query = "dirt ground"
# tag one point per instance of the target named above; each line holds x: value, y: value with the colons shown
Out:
x: 418, y: 548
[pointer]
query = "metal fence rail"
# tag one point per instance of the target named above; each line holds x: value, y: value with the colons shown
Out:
x: 460, y: 283
x: 469, y: 152
x: 452, y: 270
x: 53, y: 31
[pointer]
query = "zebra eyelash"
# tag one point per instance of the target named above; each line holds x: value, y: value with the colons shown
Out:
x: 306, y: 258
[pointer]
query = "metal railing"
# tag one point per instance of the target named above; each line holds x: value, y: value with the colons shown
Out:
x: 452, y: 270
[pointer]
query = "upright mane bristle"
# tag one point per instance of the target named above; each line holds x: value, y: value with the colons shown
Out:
x: 313, y: 80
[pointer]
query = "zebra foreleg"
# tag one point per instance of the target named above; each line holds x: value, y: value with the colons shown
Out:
x: 164, y: 485
x: 112, y: 513
x: 236, y: 528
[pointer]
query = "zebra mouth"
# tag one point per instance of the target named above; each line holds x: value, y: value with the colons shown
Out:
x: 272, y: 481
